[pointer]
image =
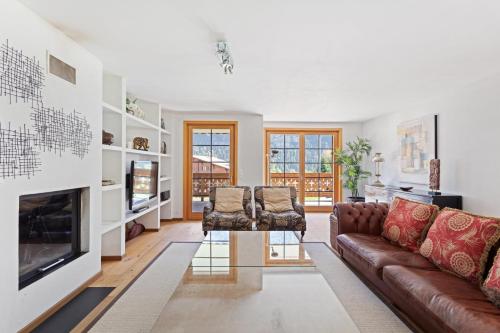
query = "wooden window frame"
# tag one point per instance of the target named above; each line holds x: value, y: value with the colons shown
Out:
x: 189, y: 125
x: 337, y: 134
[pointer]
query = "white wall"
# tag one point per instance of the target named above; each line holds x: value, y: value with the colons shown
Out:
x: 250, y: 150
x: 350, y: 130
x: 468, y: 138
x: 27, y: 32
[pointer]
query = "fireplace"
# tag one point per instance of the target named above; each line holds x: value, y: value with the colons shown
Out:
x: 49, y: 233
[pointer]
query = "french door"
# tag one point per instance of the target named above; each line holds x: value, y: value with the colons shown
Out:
x: 210, y: 150
x: 304, y: 158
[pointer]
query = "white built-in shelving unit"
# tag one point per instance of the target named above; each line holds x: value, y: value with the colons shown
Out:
x: 116, y: 160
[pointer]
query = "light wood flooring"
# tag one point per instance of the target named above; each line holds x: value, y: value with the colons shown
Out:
x: 142, y: 250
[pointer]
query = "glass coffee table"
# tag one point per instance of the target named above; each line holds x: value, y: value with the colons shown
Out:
x: 253, y: 281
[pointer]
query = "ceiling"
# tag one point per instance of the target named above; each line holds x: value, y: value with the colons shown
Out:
x: 295, y: 60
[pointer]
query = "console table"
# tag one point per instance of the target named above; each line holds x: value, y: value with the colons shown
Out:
x: 386, y: 194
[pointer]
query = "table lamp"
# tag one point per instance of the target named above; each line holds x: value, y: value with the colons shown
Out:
x: 377, y: 159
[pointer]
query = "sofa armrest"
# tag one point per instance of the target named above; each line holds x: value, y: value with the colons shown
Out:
x: 258, y: 210
x: 299, y: 209
x: 249, y: 210
x: 207, y: 209
x: 364, y: 218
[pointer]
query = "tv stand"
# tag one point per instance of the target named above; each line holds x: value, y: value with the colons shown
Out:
x: 138, y: 210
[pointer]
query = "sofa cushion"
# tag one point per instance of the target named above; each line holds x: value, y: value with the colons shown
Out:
x: 372, y: 253
x: 459, y: 242
x: 491, y: 286
x: 453, y: 302
x: 407, y: 221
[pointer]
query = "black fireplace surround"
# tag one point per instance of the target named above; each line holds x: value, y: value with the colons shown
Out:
x: 49, y: 233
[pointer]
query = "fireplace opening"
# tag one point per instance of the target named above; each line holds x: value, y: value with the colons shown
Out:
x: 49, y: 233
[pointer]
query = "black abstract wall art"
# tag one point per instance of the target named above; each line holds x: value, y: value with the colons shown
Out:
x: 18, y: 156
x: 59, y: 131
x: 54, y: 130
x: 21, y: 77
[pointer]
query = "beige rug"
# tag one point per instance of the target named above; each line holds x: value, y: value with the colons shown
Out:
x: 368, y: 312
x: 141, y: 305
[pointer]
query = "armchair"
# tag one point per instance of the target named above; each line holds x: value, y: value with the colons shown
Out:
x: 239, y: 220
x: 294, y: 220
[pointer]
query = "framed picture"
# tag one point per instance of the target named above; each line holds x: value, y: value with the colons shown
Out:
x: 418, y: 145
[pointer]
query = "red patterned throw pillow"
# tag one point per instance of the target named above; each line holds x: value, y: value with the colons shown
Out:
x: 458, y: 242
x: 491, y: 286
x: 407, y: 221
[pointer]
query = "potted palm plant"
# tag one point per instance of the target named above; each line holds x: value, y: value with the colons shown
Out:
x: 351, y: 160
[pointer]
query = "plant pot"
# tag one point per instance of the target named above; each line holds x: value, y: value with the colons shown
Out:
x: 355, y: 199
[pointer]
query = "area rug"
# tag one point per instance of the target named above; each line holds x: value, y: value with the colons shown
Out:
x: 140, y: 306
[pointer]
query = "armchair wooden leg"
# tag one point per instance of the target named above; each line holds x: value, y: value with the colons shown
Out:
x: 302, y: 233
x: 205, y: 232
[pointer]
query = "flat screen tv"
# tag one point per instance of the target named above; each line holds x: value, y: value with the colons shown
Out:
x: 143, y: 184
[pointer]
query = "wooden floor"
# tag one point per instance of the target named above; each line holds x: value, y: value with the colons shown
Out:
x: 142, y: 250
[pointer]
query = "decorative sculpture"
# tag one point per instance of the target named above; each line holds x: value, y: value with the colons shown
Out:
x: 141, y: 143
x: 133, y: 108
x: 435, y: 176
x: 107, y: 138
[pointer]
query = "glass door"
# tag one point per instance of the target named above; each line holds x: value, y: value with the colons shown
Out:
x: 210, y: 152
x: 304, y: 159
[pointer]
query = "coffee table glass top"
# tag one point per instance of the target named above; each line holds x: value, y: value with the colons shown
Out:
x: 222, y: 249
x: 253, y: 281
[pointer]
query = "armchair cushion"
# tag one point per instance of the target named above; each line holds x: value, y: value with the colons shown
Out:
x: 289, y: 220
x: 228, y: 199
x: 277, y: 199
x: 227, y: 221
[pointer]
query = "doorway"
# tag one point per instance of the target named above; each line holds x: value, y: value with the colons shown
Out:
x: 304, y: 158
x: 210, y: 159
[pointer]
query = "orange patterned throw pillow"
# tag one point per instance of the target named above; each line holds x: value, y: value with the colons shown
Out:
x: 491, y: 286
x: 406, y: 222
x: 458, y: 242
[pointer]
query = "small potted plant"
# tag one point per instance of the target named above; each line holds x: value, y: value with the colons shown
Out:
x: 351, y: 160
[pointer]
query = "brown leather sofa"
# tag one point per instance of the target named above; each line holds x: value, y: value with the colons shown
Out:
x: 433, y: 300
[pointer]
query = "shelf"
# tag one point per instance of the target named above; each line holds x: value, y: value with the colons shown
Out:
x: 164, y: 131
x: 133, y: 121
x: 165, y: 155
x: 164, y: 179
x: 111, y: 187
x: 163, y: 203
x: 111, y: 147
x: 111, y: 108
x: 107, y: 226
x: 140, y: 152
x: 130, y: 216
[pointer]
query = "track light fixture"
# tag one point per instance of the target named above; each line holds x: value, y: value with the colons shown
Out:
x: 225, y: 59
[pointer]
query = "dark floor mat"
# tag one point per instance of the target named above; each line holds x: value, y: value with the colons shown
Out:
x: 73, y: 312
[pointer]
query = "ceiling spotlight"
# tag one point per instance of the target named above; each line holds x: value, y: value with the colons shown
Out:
x: 225, y: 59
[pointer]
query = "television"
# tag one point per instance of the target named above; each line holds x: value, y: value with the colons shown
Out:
x: 143, y: 184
